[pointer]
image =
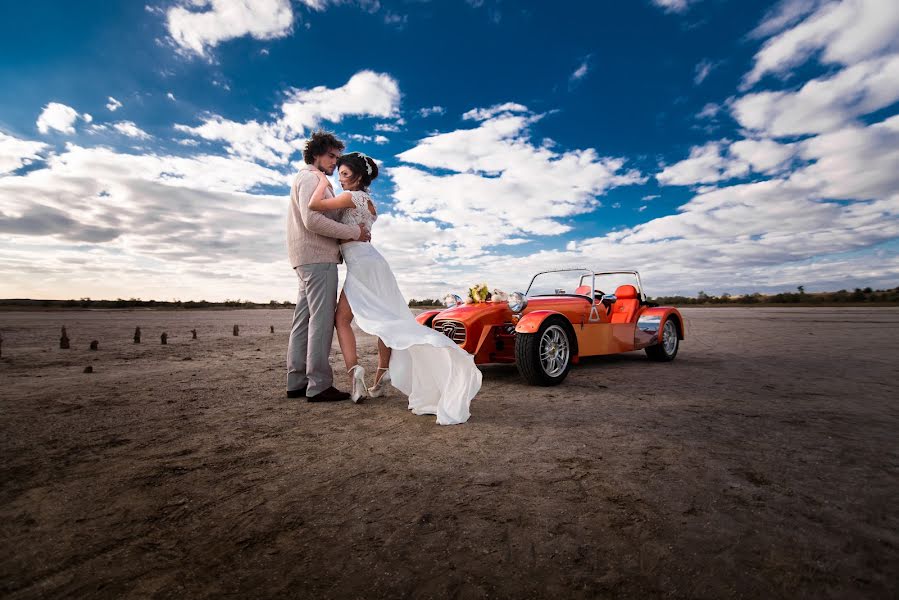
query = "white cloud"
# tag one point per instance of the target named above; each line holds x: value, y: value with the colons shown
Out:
x: 267, y: 142
x: 196, y: 31
x: 92, y: 221
x: 580, y: 72
x: 130, y: 129
x: 718, y: 161
x: 702, y: 70
x: 705, y: 164
x: 709, y: 111
x: 433, y: 110
x: 502, y: 185
x: 59, y: 117
x: 785, y: 14
x: 673, y: 6
x: 366, y: 94
x: 376, y: 139
x: 398, y: 21
x: 841, y: 33
x: 387, y: 127
x: 16, y: 153
x: 170, y: 96
x: 823, y: 104
x: 112, y: 104
x: 482, y: 114
x: 855, y: 162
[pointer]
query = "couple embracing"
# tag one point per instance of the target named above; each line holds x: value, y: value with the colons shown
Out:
x: 437, y: 376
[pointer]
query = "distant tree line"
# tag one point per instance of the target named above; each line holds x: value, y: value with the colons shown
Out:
x: 800, y: 296
x: 139, y: 303
x: 424, y: 302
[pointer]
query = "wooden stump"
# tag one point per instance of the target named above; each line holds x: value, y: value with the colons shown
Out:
x: 64, y: 340
x: 137, y: 335
x: 194, y: 333
x: 164, y: 338
x: 236, y: 330
x: 95, y: 345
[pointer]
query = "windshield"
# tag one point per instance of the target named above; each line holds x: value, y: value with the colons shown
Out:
x: 559, y: 283
x: 566, y: 282
x: 607, y: 283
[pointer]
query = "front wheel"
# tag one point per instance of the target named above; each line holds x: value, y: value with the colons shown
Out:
x: 666, y: 350
x: 544, y: 358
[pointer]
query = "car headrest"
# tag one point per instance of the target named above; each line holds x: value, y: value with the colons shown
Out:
x: 584, y: 290
x: 626, y: 292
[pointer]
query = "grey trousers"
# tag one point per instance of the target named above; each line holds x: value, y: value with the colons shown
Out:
x: 313, y: 329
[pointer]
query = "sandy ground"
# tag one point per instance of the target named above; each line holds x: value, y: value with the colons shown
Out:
x: 761, y: 463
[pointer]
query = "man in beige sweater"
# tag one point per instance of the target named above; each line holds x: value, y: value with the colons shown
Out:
x: 313, y: 246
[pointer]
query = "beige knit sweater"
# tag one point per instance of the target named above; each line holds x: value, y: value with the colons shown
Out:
x: 312, y: 236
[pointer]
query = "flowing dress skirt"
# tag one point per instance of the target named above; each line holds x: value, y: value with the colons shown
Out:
x: 437, y: 375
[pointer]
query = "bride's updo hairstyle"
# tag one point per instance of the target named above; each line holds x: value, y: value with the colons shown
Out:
x: 364, y: 168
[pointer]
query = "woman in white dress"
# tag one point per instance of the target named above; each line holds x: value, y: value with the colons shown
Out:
x: 438, y: 377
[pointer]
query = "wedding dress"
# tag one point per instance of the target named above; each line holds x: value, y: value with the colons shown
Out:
x: 437, y: 375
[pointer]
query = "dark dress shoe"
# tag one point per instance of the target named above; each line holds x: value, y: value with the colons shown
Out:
x: 331, y: 394
x: 300, y: 393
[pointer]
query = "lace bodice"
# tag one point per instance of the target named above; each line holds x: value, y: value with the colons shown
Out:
x: 359, y: 213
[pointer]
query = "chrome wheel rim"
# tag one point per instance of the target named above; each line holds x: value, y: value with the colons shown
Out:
x: 669, y: 338
x: 554, y: 351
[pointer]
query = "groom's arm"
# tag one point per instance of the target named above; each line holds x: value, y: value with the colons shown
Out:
x: 317, y: 222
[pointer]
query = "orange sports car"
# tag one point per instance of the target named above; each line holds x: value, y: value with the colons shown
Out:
x: 562, y: 316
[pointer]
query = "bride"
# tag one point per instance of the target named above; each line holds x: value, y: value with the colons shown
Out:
x: 438, y: 377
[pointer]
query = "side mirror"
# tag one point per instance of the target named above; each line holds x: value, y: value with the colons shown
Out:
x: 609, y: 298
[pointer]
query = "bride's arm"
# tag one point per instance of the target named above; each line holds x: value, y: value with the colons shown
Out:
x: 319, y: 202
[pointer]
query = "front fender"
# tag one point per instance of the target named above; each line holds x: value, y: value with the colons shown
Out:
x: 651, y: 322
x: 427, y: 316
x: 530, y: 323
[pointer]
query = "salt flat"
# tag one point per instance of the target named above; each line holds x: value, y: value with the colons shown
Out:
x: 761, y: 463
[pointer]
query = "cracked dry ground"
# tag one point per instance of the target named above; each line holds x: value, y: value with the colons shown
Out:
x: 761, y: 463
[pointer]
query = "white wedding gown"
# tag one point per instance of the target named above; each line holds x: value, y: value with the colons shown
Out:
x: 438, y: 377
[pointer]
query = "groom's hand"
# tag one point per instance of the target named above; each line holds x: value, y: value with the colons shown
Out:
x: 364, y: 234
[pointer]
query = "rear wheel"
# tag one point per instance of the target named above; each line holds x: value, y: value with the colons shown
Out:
x: 666, y: 350
x: 544, y: 358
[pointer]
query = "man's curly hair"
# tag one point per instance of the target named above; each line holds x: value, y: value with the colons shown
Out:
x: 320, y: 142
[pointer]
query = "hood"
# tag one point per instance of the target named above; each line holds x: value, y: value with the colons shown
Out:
x: 466, y: 312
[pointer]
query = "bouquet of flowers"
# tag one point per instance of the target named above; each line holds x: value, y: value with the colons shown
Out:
x: 478, y: 293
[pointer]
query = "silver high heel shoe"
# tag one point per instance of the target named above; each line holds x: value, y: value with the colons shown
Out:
x: 377, y: 389
x: 357, y: 373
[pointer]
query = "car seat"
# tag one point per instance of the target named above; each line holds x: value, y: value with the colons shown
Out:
x: 627, y: 304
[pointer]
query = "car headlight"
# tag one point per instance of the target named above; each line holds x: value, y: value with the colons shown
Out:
x: 517, y: 302
x: 452, y: 300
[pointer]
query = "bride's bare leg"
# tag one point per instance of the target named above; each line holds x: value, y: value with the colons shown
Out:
x: 383, y: 360
x: 343, y: 319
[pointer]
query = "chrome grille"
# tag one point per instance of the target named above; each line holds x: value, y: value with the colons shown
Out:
x: 454, y: 330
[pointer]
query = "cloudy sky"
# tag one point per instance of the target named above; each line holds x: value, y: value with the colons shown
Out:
x: 146, y: 149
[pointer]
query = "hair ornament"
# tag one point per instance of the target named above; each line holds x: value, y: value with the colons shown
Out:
x: 365, y: 158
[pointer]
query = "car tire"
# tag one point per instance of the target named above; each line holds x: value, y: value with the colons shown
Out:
x: 666, y: 350
x: 553, y: 337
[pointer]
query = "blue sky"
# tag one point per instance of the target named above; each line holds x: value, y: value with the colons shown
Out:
x: 146, y: 149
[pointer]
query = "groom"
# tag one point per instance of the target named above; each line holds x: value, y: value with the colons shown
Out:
x: 312, y: 244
